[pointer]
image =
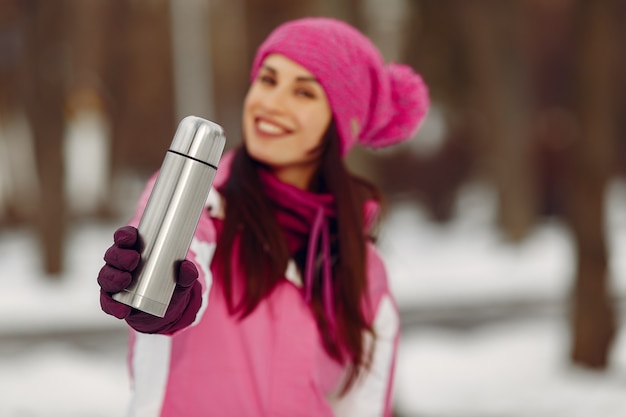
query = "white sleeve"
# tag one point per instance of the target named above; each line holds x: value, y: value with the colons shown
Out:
x: 370, y: 396
x: 150, y: 367
x: 203, y: 256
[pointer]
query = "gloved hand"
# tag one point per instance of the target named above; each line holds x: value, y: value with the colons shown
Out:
x: 121, y: 260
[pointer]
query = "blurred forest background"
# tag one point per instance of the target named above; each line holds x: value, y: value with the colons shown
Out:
x: 527, y: 97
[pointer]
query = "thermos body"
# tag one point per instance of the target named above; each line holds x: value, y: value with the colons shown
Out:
x: 171, y: 216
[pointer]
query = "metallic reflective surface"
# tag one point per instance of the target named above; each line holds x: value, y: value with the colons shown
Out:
x: 172, y: 213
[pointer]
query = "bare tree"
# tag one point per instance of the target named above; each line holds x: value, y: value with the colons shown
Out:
x: 47, y: 62
x: 498, y: 66
x: 229, y: 62
x: 141, y: 85
x: 18, y: 177
x: 593, y: 319
x: 540, y: 81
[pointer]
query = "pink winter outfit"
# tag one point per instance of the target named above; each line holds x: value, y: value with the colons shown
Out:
x: 272, y: 363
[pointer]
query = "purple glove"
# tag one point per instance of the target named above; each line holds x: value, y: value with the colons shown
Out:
x: 121, y: 259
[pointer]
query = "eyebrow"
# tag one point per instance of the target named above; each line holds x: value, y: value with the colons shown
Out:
x: 301, y: 78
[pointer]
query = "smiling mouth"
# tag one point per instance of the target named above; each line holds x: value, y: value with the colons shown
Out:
x: 270, y: 128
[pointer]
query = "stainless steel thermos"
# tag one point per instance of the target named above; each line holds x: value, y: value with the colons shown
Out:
x: 171, y: 216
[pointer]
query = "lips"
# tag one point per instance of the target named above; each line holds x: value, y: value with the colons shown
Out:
x: 269, y: 127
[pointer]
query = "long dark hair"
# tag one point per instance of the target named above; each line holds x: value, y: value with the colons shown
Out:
x: 251, y: 221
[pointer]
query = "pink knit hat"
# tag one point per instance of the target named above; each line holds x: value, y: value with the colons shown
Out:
x: 373, y: 103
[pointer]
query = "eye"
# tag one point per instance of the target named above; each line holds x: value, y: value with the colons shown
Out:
x: 267, y: 79
x: 304, y: 92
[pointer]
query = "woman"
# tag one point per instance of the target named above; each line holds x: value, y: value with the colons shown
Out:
x: 282, y: 307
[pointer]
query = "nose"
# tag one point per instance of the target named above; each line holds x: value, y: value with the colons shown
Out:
x: 275, y: 99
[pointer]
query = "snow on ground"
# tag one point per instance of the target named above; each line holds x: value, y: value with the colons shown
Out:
x: 52, y: 376
x: 469, y: 261
x: 71, y: 301
x: 508, y: 369
x: 59, y: 380
x: 514, y: 369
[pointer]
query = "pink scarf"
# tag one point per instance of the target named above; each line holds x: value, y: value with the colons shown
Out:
x: 304, y: 216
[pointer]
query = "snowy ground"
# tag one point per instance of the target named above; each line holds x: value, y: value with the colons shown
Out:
x: 59, y: 373
x: 513, y: 368
x: 60, y: 356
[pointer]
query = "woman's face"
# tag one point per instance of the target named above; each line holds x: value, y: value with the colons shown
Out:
x: 286, y: 113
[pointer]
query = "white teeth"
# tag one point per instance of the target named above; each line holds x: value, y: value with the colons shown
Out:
x: 270, y: 128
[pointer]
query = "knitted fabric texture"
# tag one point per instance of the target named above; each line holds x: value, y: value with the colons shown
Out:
x: 373, y: 103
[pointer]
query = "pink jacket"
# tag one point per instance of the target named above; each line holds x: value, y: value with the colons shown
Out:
x: 272, y: 363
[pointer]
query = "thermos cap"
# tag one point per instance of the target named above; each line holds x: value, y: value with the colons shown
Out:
x: 199, y: 139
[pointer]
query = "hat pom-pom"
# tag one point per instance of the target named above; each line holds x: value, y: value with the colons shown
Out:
x: 409, y: 101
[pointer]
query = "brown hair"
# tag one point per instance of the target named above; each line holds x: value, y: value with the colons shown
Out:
x: 250, y: 218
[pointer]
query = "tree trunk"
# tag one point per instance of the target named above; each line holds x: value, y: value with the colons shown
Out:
x: 47, y: 61
x: 142, y: 86
x: 262, y: 16
x: 593, y: 317
x: 493, y: 32
x: 12, y: 55
x: 229, y: 63
x: 89, y: 91
x: 89, y: 27
x: 18, y: 174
